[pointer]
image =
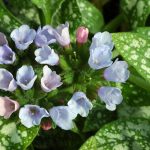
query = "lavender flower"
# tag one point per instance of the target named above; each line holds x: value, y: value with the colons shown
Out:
x: 100, y: 39
x: 31, y: 115
x: 80, y: 104
x: 7, y: 107
x: 111, y: 96
x: 100, y: 57
x: 23, y: 37
x: 63, y: 116
x: 44, y: 36
x: 50, y: 80
x: 3, y: 39
x: 46, y: 55
x: 61, y: 34
x: 7, y: 82
x: 117, y: 72
x: 7, y: 56
x: 26, y: 77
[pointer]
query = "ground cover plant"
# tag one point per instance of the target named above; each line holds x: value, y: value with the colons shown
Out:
x: 75, y: 75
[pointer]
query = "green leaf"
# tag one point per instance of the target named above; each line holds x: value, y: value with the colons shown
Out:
x: 121, y: 135
x: 98, y: 116
x: 25, y: 11
x: 7, y: 21
x: 44, y: 5
x: 134, y: 95
x: 135, y: 49
x: 49, y: 8
x: 137, y: 11
x: 144, y: 31
x: 126, y: 111
x: 82, y: 12
x: 14, y: 136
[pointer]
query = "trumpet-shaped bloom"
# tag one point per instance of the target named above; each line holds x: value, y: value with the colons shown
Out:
x: 32, y: 115
x: 23, y: 36
x: 100, y: 57
x: 80, y: 104
x: 7, y: 82
x: 117, y: 72
x: 44, y: 36
x: 61, y: 34
x: 82, y: 35
x: 50, y: 80
x: 46, y: 55
x: 7, y: 107
x: 63, y: 116
x: 102, y: 38
x: 111, y: 96
x: 3, y: 39
x: 26, y: 77
x: 7, y: 56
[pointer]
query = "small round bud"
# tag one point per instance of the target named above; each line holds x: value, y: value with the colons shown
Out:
x: 82, y: 35
x: 46, y: 125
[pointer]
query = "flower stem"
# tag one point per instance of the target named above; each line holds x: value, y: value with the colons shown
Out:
x: 139, y: 82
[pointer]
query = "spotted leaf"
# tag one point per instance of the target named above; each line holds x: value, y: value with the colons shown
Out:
x: 121, y: 134
x: 7, y: 21
x: 137, y: 11
x: 82, y: 12
x: 14, y: 136
x: 135, y: 95
x: 135, y: 49
x: 98, y: 116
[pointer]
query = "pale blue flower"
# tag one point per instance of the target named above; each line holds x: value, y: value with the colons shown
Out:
x: 80, y: 104
x: 102, y: 38
x: 7, y: 82
x: 46, y: 55
x: 31, y: 115
x: 23, y: 36
x: 3, y: 39
x: 61, y: 34
x: 7, y: 56
x: 26, y: 77
x: 63, y: 117
x: 50, y: 80
x: 111, y: 96
x: 100, y: 57
x: 44, y: 36
x: 117, y: 72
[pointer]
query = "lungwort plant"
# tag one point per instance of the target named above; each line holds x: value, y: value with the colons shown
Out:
x: 69, y: 81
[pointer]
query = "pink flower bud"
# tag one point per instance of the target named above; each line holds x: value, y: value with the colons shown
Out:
x: 82, y: 35
x: 46, y: 125
x: 7, y: 107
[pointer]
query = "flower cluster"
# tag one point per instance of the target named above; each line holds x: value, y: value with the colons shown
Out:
x: 101, y: 57
x: 63, y: 116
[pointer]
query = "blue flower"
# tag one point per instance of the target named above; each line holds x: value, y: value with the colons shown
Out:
x: 46, y: 55
x: 23, y: 37
x: 32, y: 115
x: 44, y: 36
x: 61, y: 34
x: 111, y: 96
x: 50, y: 80
x: 7, y: 56
x: 80, y: 104
x: 117, y: 72
x: 102, y: 38
x: 7, y: 82
x: 63, y: 116
x: 26, y: 77
x: 3, y: 39
x: 100, y: 57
